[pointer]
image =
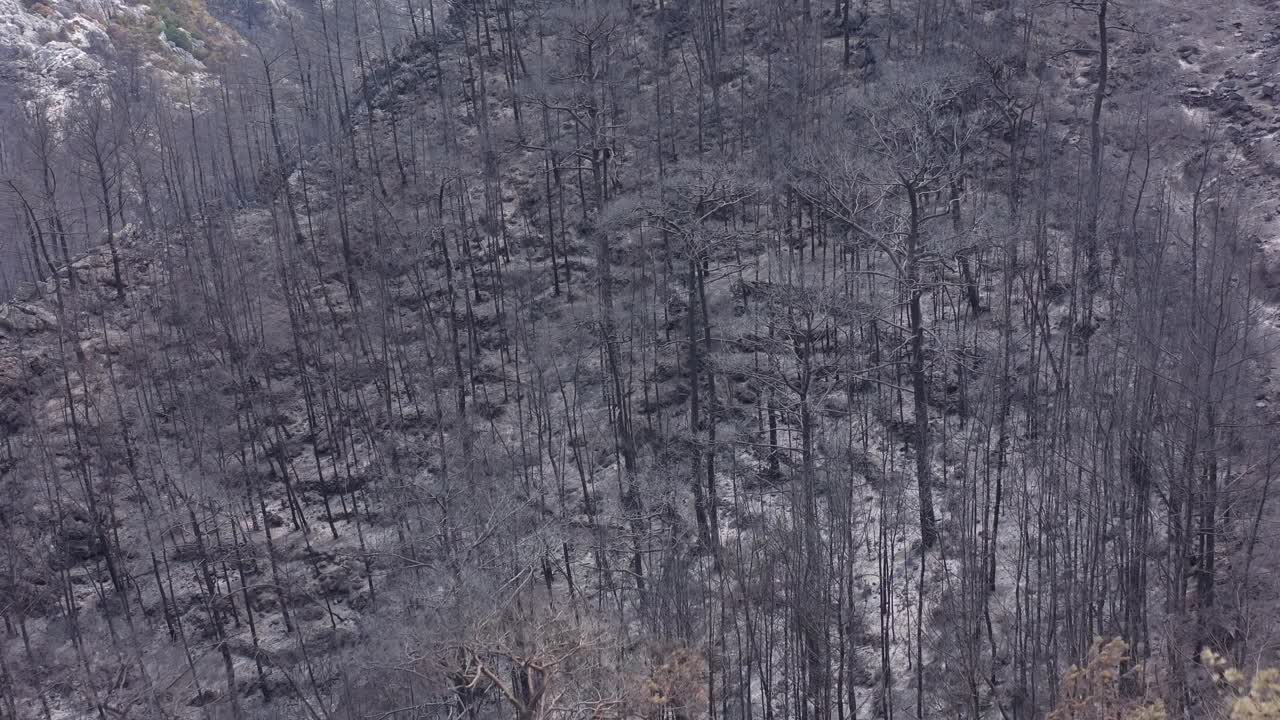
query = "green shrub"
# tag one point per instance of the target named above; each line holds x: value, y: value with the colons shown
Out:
x: 176, y: 35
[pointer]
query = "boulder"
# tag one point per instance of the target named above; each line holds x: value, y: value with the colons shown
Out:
x: 336, y: 579
x: 80, y: 542
x: 110, y: 342
x: 25, y: 318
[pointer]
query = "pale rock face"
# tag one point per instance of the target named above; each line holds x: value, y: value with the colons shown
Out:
x: 19, y: 26
x: 63, y: 61
x: 51, y: 49
x: 20, y: 32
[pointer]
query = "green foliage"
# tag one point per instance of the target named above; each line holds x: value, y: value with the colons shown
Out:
x: 178, y: 21
x: 176, y: 35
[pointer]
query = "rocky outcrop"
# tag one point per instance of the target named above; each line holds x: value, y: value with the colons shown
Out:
x: 53, y: 49
x: 25, y: 318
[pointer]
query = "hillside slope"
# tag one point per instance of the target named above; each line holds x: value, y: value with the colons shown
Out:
x: 662, y: 360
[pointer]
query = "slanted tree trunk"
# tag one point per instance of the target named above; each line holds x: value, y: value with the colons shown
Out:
x: 916, y: 365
